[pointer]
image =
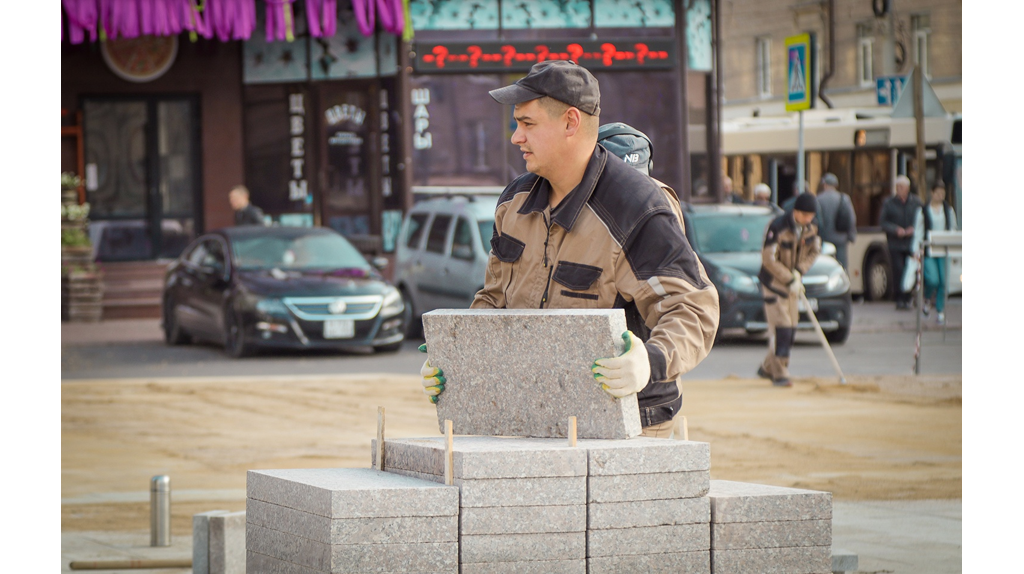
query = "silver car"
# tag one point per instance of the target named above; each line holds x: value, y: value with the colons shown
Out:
x: 441, y: 256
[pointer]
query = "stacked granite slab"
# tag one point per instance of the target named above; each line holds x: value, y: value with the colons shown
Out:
x: 307, y: 521
x: 523, y: 501
x: 647, y: 508
x: 524, y: 372
x: 769, y: 529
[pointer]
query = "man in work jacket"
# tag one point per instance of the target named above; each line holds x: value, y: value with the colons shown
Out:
x: 583, y: 230
x: 791, y: 244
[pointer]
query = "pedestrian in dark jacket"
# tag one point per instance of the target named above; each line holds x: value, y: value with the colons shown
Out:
x: 245, y: 212
x: 899, y: 214
x: 838, y: 221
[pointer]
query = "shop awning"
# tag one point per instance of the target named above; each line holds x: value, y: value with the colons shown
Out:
x: 227, y: 20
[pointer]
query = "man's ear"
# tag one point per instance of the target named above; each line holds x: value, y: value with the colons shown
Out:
x: 573, y: 120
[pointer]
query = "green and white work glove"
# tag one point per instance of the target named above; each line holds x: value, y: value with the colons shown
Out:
x: 433, y: 378
x: 626, y: 374
x: 797, y: 286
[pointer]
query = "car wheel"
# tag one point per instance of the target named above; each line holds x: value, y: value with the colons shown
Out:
x: 839, y: 336
x: 392, y: 348
x: 173, y: 334
x: 234, y: 336
x: 877, y: 277
x: 412, y: 325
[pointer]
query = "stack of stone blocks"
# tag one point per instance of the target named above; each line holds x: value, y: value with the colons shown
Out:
x: 312, y: 521
x: 611, y: 502
x: 218, y: 542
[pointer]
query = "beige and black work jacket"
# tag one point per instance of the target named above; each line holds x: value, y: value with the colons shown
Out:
x: 784, y: 251
x: 613, y: 242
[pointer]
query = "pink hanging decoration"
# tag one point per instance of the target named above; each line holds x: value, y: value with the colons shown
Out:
x: 82, y: 17
x: 280, y: 20
x: 391, y: 15
x: 322, y: 16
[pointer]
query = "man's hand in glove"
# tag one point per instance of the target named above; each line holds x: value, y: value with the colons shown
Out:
x: 797, y: 286
x: 433, y: 378
x: 626, y: 374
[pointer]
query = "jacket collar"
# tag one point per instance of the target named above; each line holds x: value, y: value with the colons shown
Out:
x: 569, y: 209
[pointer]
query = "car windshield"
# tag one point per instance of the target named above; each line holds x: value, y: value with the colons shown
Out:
x: 730, y: 233
x: 326, y: 252
x: 486, y: 231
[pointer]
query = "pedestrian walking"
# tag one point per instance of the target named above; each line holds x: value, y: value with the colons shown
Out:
x: 245, y: 212
x: 763, y: 195
x: 585, y: 230
x: 791, y: 245
x: 899, y: 213
x: 730, y: 195
x: 838, y: 222
x: 936, y: 216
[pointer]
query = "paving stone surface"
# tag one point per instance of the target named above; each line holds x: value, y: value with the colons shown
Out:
x: 648, y: 540
x: 517, y: 547
x: 544, y: 491
x: 476, y: 457
x: 256, y: 563
x: 746, y: 502
x: 523, y: 519
x: 698, y: 562
x: 795, y: 560
x: 422, y: 557
x: 601, y: 515
x: 405, y: 529
x: 352, y: 492
x: 656, y: 486
x: 779, y: 534
x: 227, y: 543
x: 524, y: 372
x: 645, y: 455
x: 526, y: 567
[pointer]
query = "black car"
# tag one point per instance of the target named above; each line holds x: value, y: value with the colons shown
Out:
x: 728, y: 239
x: 285, y: 287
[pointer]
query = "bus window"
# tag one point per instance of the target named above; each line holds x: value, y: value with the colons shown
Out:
x: 870, y: 185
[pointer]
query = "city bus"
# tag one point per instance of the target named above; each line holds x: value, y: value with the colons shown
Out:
x: 867, y: 150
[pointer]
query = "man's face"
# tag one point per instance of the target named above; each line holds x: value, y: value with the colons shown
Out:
x: 902, y: 190
x: 727, y: 184
x: 237, y: 200
x: 803, y: 217
x: 540, y: 137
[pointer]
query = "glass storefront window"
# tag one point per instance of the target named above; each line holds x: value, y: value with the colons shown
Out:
x: 453, y: 14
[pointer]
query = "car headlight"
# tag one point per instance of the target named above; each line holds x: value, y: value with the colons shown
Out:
x: 393, y: 303
x: 271, y: 306
x: 838, y: 282
x: 739, y: 281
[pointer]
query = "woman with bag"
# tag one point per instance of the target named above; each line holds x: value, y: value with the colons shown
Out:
x: 936, y: 215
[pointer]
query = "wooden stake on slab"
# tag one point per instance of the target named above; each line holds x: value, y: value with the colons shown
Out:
x: 380, y: 438
x: 572, y: 431
x: 686, y: 429
x: 448, y: 460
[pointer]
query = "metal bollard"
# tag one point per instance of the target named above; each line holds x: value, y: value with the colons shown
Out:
x: 160, y: 510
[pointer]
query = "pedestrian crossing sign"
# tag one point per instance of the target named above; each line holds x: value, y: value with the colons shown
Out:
x: 801, y: 79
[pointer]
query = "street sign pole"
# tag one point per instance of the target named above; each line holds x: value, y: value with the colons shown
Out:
x: 802, y: 90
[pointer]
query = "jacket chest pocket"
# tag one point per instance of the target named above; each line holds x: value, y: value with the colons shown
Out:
x: 787, y: 253
x: 508, y: 250
x: 576, y: 284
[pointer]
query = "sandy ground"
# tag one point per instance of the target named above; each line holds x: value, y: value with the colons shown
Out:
x: 876, y: 438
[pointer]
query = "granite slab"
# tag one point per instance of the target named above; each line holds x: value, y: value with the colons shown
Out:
x: 644, y: 455
x: 524, y: 372
x: 523, y: 547
x: 793, y: 560
x: 526, y: 567
x: 476, y: 457
x: 523, y: 519
x: 405, y: 529
x: 420, y: 557
x: 201, y: 541
x: 544, y: 491
x: 257, y: 563
x: 698, y: 562
x: 632, y: 514
x: 746, y: 502
x: 227, y: 543
x: 648, y: 540
x: 778, y: 534
x: 656, y: 486
x: 352, y: 492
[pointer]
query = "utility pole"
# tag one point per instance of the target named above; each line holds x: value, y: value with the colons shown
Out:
x: 683, y: 103
x: 918, y: 80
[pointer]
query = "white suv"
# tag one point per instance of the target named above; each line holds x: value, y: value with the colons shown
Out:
x: 441, y: 256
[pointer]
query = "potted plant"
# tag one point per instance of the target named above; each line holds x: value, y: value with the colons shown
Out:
x: 81, y: 278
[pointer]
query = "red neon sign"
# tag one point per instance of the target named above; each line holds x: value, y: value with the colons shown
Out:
x: 494, y: 56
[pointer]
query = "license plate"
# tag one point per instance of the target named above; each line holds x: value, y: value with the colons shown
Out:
x: 339, y: 329
x: 803, y: 308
